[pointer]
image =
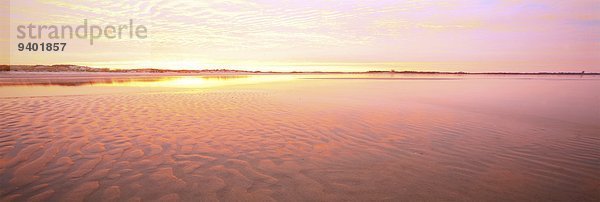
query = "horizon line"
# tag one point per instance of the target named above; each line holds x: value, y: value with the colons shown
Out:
x: 161, y: 70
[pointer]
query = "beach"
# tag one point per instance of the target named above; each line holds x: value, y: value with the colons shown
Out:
x: 303, y: 137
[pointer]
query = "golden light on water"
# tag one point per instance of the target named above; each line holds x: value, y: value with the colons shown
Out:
x: 196, y: 81
x: 102, y: 84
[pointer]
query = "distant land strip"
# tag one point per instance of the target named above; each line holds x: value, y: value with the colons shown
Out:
x: 78, y: 68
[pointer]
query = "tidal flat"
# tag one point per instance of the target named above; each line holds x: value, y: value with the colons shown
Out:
x: 299, y: 137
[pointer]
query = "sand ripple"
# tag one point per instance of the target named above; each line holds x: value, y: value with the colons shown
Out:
x: 274, y: 145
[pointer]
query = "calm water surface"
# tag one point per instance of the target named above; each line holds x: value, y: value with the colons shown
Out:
x: 299, y: 137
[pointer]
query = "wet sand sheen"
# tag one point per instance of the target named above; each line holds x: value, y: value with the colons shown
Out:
x: 305, y: 140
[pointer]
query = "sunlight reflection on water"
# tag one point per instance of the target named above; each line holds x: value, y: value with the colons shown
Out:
x: 157, y: 81
x: 69, y: 85
x: 57, y: 84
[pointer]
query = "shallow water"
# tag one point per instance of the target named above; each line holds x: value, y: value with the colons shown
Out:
x: 300, y: 137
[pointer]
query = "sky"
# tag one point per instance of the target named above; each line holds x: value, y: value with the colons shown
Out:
x: 320, y: 35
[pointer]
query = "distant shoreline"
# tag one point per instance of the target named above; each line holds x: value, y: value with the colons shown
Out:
x: 85, y: 69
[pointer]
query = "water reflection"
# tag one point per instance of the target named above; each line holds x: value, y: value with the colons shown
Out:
x: 26, y: 85
x: 163, y: 81
x: 202, y: 81
x: 60, y: 85
x: 73, y: 81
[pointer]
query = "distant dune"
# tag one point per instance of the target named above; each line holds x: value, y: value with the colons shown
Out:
x: 77, y: 68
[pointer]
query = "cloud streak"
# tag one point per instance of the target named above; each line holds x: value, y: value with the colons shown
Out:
x: 490, y: 35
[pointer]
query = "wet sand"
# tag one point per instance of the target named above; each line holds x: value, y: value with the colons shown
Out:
x: 303, y: 139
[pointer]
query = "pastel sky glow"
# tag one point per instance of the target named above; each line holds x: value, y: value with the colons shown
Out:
x: 326, y: 35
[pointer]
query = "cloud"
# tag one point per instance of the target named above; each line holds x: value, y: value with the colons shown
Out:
x: 534, y: 32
